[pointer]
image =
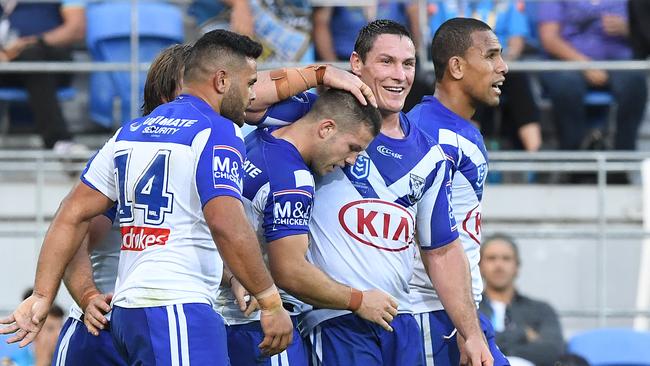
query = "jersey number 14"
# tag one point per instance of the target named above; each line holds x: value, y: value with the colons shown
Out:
x: 149, y: 193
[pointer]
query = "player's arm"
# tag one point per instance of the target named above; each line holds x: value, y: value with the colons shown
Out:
x: 78, y: 277
x: 240, y: 250
x: 277, y: 85
x: 62, y: 241
x: 446, y: 263
x: 294, y: 274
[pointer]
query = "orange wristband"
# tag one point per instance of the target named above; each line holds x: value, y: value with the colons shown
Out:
x: 356, y: 297
x: 85, y: 299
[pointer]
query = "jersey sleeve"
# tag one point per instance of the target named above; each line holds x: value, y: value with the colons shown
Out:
x: 219, y: 169
x: 99, y: 171
x: 436, y: 225
x: 288, y: 206
x: 289, y: 110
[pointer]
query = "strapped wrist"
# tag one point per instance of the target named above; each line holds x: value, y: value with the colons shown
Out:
x: 87, y: 296
x: 269, y: 298
x: 356, y: 297
x: 291, y: 81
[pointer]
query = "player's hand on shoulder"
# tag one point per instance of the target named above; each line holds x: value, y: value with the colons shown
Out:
x: 97, y: 306
x: 276, y: 324
x: 378, y: 307
x: 342, y: 79
x: 27, y: 320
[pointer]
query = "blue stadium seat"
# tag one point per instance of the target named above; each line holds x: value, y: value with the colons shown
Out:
x: 610, y: 347
x: 19, y: 95
x: 160, y: 24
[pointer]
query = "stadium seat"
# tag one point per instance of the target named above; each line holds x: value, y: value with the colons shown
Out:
x: 609, y: 347
x: 160, y: 24
x: 19, y: 95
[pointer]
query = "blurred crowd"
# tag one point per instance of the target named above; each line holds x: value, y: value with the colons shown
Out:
x: 567, y: 109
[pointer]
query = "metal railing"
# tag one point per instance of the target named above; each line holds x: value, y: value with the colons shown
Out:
x: 36, y: 165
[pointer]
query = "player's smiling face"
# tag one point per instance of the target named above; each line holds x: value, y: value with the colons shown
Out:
x: 485, y: 68
x: 389, y: 70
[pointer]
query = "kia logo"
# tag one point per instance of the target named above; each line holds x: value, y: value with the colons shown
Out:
x: 380, y: 224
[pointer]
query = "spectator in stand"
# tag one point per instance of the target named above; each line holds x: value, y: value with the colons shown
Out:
x: 43, y: 32
x: 336, y: 28
x: 283, y: 27
x: 520, y: 115
x: 639, y: 13
x: 582, y: 30
x: 525, y: 328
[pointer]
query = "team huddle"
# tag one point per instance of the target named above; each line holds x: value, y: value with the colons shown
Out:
x: 341, y: 231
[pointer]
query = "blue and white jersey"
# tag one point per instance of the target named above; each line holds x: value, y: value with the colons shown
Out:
x: 162, y: 169
x: 278, y: 198
x: 464, y: 148
x: 366, y: 216
x: 104, y: 260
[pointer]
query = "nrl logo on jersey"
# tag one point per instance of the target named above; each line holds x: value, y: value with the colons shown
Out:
x: 416, y: 185
x: 361, y: 167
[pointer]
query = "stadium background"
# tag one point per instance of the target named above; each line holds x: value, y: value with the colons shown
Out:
x: 585, y: 248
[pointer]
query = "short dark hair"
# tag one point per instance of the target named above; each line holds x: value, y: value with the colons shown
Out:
x: 453, y: 38
x: 369, y: 33
x: 505, y: 238
x: 346, y: 110
x: 218, y: 46
x: 164, y: 76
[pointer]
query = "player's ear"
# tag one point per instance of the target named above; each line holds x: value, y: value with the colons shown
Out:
x: 221, y: 81
x: 326, y: 128
x: 456, y: 67
x: 356, y: 63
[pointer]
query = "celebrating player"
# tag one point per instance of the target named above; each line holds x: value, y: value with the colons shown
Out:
x: 177, y: 177
x: 469, y: 71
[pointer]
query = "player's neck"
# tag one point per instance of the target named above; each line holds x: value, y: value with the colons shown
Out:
x: 198, y: 91
x: 295, y: 135
x: 390, y: 125
x: 455, y: 100
x: 502, y: 295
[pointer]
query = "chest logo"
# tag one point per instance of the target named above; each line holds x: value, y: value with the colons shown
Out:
x: 416, y: 186
x: 361, y: 167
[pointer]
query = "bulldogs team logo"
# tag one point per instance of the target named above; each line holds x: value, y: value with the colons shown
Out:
x: 481, y: 171
x: 416, y: 185
x: 361, y: 167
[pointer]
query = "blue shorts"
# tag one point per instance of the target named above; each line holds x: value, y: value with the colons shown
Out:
x: 170, y: 335
x: 77, y: 347
x: 242, y: 347
x: 438, y: 336
x: 350, y: 340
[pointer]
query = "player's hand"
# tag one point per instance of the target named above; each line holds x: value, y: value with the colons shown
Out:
x: 474, y: 351
x: 247, y: 304
x: 341, y: 79
x: 277, y: 326
x: 596, y: 77
x: 98, y: 306
x: 378, y: 307
x: 27, y: 320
